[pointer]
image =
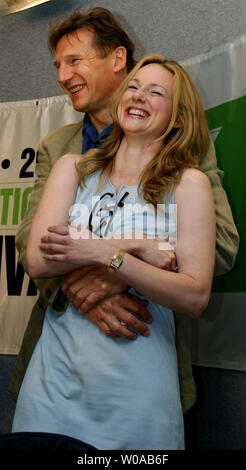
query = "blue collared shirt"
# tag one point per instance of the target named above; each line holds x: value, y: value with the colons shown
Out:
x: 91, y: 139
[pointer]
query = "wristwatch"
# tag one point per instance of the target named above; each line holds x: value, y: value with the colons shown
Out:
x: 116, y: 261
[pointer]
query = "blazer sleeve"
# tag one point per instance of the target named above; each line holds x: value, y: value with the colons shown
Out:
x: 48, y: 287
x: 227, y: 238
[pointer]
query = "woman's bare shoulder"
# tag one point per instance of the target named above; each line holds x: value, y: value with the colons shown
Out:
x: 193, y: 177
x: 69, y: 157
x: 66, y: 162
x: 192, y: 184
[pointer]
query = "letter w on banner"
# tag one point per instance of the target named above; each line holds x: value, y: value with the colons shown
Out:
x: 22, y: 125
x: 219, y: 336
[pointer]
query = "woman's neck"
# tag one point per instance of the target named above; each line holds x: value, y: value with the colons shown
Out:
x: 132, y: 157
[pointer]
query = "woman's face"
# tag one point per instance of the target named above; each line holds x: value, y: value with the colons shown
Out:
x: 146, y: 106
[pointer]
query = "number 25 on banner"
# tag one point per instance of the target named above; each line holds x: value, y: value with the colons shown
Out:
x: 29, y: 154
x: 15, y: 194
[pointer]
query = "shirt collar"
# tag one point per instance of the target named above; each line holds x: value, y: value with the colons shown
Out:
x: 90, y: 136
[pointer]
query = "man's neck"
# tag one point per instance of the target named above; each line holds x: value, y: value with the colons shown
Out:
x: 100, y: 120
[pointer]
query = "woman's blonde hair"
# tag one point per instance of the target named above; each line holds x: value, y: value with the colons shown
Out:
x: 182, y: 147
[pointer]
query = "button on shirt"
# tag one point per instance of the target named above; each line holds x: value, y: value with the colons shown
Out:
x: 91, y: 139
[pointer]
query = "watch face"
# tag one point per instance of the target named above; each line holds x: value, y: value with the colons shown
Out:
x: 117, y: 262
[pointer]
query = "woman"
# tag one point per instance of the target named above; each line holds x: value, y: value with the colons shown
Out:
x: 111, y: 392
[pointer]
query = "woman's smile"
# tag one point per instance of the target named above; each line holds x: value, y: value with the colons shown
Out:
x: 138, y: 112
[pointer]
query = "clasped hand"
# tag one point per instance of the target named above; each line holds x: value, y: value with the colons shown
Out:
x: 74, y: 244
x: 77, y: 245
x: 99, y: 294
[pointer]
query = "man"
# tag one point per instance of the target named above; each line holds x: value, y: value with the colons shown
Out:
x: 93, y: 55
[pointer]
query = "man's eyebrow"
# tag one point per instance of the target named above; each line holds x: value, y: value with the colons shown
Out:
x: 69, y: 57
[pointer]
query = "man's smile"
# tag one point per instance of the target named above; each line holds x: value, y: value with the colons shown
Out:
x: 76, y: 88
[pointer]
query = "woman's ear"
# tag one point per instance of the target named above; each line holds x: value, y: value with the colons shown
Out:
x: 178, y: 123
x: 120, y: 58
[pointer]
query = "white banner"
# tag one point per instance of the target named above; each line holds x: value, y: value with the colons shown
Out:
x: 22, y: 125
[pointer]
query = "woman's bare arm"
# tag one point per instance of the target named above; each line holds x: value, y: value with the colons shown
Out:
x: 188, y: 290
x: 57, y: 198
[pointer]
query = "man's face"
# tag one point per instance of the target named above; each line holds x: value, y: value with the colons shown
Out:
x: 88, y: 79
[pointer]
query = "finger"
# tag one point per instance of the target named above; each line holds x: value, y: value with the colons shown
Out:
x: 117, y: 329
x: 80, y: 285
x: 61, y: 240
x: 170, y: 264
x: 109, y: 326
x: 123, y: 306
x: 105, y: 329
x: 94, y: 287
x: 89, y: 302
x: 80, y: 299
x: 90, y: 297
x: 113, y: 310
x: 60, y: 258
x: 164, y: 244
x: 131, y: 321
x: 52, y: 248
x: 75, y: 293
x: 62, y: 230
x: 73, y: 224
x: 99, y: 323
x: 103, y: 317
x: 72, y: 295
x: 79, y: 273
x: 173, y: 264
x: 82, y: 231
x: 137, y: 305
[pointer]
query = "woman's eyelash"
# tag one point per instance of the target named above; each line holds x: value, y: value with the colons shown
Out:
x: 152, y: 92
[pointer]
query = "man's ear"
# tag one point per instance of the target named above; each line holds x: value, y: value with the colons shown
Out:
x: 120, y: 57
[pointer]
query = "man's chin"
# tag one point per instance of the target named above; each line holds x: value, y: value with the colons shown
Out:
x: 78, y: 107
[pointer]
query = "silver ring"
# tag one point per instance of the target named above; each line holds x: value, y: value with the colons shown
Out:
x: 122, y: 323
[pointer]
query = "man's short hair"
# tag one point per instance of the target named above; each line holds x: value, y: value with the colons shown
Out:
x: 108, y: 33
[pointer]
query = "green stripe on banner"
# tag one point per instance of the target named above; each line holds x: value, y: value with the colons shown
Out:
x: 229, y: 120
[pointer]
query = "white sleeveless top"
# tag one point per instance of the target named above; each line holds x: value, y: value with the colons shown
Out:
x: 109, y: 392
